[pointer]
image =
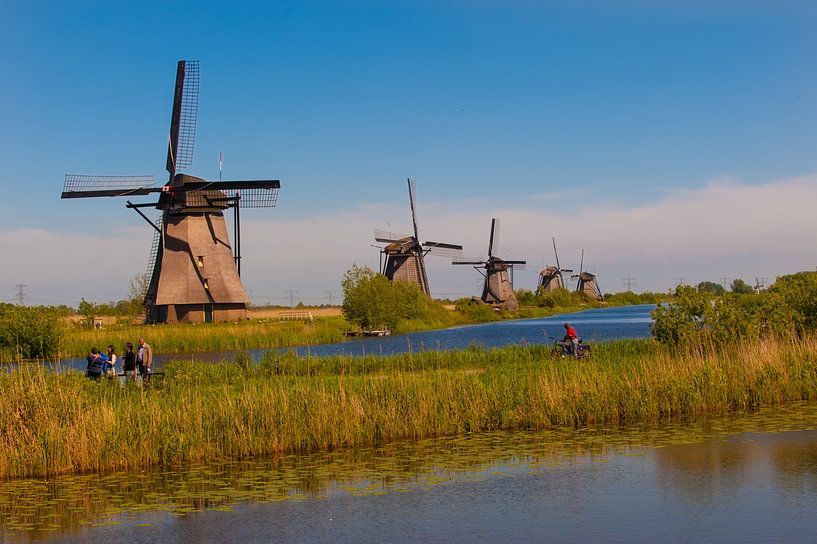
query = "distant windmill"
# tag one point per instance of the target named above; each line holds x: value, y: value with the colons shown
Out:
x: 586, y: 282
x: 498, y: 287
x: 405, y: 255
x: 551, y: 278
x: 194, y: 274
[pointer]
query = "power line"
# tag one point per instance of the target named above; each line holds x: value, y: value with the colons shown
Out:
x: 20, y: 295
x: 629, y: 283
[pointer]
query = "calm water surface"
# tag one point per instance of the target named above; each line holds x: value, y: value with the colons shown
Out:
x: 750, y: 478
x: 594, y: 325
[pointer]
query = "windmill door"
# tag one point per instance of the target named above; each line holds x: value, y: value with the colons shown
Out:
x: 208, y: 313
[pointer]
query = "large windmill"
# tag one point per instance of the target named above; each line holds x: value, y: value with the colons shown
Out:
x: 551, y: 278
x: 498, y: 288
x: 586, y: 282
x: 404, y: 254
x: 194, y: 273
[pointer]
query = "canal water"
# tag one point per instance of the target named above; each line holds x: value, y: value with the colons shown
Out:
x: 599, y: 324
x: 744, y: 479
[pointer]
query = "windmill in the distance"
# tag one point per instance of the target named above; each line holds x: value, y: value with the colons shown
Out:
x: 586, y: 282
x: 405, y: 255
x: 194, y: 274
x: 498, y: 287
x: 551, y: 278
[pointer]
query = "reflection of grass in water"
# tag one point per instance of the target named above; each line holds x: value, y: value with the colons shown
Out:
x: 37, y: 508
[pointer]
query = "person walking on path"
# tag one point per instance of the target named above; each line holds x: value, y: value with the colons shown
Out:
x: 144, y: 358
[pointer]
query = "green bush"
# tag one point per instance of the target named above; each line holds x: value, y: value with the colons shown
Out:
x: 787, y: 309
x: 29, y: 331
x: 372, y: 301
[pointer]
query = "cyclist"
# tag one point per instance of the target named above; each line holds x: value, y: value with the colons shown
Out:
x: 571, y: 340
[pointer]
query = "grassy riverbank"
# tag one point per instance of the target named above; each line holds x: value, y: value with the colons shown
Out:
x: 203, y: 337
x: 261, y: 333
x: 58, y: 423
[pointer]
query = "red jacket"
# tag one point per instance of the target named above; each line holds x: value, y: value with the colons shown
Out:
x: 571, y: 332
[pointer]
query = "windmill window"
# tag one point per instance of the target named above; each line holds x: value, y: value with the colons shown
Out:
x: 200, y: 261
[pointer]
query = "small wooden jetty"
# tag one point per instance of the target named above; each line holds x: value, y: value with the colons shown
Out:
x: 369, y: 332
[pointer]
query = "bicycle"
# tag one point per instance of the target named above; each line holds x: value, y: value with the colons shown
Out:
x: 563, y: 349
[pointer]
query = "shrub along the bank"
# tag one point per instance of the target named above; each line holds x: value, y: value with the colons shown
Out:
x: 56, y: 423
x: 29, y: 332
x: 788, y: 310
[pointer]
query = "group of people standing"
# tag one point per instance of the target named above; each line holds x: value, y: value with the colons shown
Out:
x: 136, y: 363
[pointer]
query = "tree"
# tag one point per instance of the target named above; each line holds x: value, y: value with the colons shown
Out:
x: 30, y: 331
x: 740, y: 287
x: 711, y: 287
x: 372, y: 301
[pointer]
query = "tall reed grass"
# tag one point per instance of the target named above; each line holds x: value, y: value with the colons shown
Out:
x: 58, y: 423
x: 203, y: 337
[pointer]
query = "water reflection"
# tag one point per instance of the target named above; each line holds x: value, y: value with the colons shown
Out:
x: 697, y: 464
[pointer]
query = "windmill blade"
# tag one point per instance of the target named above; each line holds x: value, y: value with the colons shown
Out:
x: 517, y: 265
x: 253, y: 197
x: 443, y: 249
x: 581, y: 269
x: 515, y: 262
x: 183, y: 117
x: 411, y: 187
x: 558, y: 266
x: 493, y: 241
x: 444, y: 252
x: 81, y: 186
x: 468, y: 262
x: 386, y: 237
x: 442, y: 245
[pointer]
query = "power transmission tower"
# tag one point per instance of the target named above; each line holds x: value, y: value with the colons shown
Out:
x: 680, y: 281
x: 629, y: 283
x: 329, y: 297
x: 291, y: 298
x: 20, y: 295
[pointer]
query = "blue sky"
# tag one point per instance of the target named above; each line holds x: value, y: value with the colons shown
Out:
x: 553, y: 116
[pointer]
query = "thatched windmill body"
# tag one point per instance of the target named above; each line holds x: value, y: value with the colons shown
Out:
x: 194, y: 271
x: 586, y: 282
x: 403, y: 258
x: 551, y: 278
x: 498, y: 273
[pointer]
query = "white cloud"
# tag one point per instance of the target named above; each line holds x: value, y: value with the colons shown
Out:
x: 724, y: 229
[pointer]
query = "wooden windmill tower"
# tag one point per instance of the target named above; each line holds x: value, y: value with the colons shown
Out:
x: 551, y: 278
x: 404, y: 254
x: 498, y: 288
x: 586, y: 282
x: 194, y: 272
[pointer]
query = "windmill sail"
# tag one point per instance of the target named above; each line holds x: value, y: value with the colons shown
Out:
x: 405, y: 254
x: 194, y: 272
x: 183, y: 117
x: 498, y: 286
